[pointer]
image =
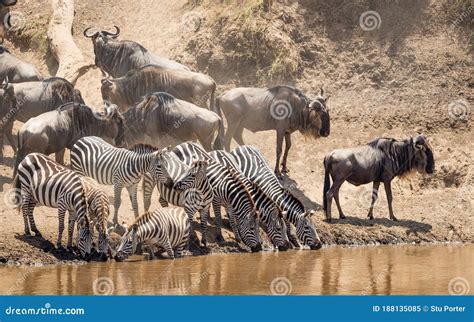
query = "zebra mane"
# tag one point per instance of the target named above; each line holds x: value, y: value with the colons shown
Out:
x: 143, y: 148
x: 236, y: 175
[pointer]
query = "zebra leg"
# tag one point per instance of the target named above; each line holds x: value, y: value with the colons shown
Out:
x: 291, y: 236
x: 30, y: 205
x: 148, y: 186
x: 132, y: 192
x: 164, y: 203
x: 61, y: 214
x: 117, y: 200
x: 204, y: 215
x: 70, y: 228
x: 217, y: 215
x: 27, y: 207
x: 168, y: 248
x: 234, y: 225
x: 284, y: 169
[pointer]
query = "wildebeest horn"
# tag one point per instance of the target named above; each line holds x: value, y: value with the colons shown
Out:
x: 419, y: 140
x: 115, y: 35
x: 321, y: 92
x: 86, y: 34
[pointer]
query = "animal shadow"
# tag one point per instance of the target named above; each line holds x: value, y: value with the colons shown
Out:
x: 47, y: 246
x: 412, y: 225
x: 292, y: 186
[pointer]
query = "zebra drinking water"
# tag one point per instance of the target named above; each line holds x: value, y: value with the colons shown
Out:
x: 166, y: 228
x: 40, y: 180
x: 253, y: 165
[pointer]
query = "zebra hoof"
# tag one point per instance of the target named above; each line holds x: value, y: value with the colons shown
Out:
x: 27, y: 233
x: 220, y: 238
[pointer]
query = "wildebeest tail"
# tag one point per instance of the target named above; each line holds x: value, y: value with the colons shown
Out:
x: 218, y: 142
x: 327, y: 182
x: 20, y: 155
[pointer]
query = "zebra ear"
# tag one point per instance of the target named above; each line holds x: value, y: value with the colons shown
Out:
x: 284, y: 214
x: 309, y: 213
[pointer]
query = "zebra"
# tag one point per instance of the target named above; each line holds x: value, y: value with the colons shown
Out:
x: 42, y: 181
x: 229, y: 192
x: 270, y: 213
x: 191, y: 190
x: 93, y: 157
x: 167, y: 228
x: 253, y: 165
x: 98, y: 206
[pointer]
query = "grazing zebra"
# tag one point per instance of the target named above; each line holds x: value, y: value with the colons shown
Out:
x: 253, y: 165
x: 194, y: 193
x: 270, y: 213
x: 166, y: 228
x: 93, y: 157
x: 98, y: 206
x: 40, y: 180
x: 229, y: 192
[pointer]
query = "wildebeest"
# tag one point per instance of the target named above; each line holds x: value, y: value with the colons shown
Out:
x: 281, y: 108
x: 126, y: 91
x: 167, y: 120
x: 53, y: 131
x: 380, y: 160
x: 29, y: 99
x: 118, y: 57
x: 16, y: 69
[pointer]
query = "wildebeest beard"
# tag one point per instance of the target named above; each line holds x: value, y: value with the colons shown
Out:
x: 311, y: 124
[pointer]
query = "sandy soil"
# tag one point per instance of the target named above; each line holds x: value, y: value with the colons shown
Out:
x: 373, y: 93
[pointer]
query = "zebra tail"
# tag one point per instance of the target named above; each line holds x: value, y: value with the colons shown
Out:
x: 16, y: 185
x: 327, y: 182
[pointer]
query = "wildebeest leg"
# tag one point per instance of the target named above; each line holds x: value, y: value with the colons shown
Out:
x: 60, y: 156
x: 284, y: 169
x: 229, y: 134
x: 336, y: 198
x: 375, y: 192
x: 8, y: 132
x: 388, y: 191
x: 218, y: 216
x: 280, y: 136
x: 132, y: 192
x: 330, y: 194
x: 238, y: 135
x: 291, y: 236
x: 117, y: 199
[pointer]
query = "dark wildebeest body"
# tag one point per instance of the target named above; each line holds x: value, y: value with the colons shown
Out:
x: 118, y: 57
x: 161, y: 119
x: 379, y: 161
x: 32, y: 99
x: 16, y: 69
x: 189, y: 86
x: 53, y: 131
x: 281, y: 108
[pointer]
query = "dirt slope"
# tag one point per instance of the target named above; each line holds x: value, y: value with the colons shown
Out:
x: 413, y: 74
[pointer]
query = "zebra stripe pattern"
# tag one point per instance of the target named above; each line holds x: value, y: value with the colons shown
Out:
x: 165, y: 228
x: 253, y: 165
x: 191, y: 190
x: 229, y: 192
x: 270, y: 213
x: 42, y: 181
x: 93, y: 157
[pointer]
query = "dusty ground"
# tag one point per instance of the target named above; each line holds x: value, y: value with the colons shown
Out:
x: 397, y: 81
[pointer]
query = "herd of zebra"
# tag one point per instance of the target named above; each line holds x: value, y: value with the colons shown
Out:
x: 154, y: 111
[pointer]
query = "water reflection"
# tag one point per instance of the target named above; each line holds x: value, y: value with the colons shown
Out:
x: 334, y: 270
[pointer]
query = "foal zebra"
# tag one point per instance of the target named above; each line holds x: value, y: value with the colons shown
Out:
x: 40, y: 180
x: 253, y: 165
x: 166, y: 228
x: 269, y: 211
x: 93, y: 157
x: 98, y: 205
x: 191, y: 190
x: 229, y: 192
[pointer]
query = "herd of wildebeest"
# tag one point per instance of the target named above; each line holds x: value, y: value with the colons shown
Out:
x: 155, y: 110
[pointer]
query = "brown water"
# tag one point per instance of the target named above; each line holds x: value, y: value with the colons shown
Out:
x: 332, y: 270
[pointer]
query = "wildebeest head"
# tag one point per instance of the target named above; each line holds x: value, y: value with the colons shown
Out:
x: 113, y: 116
x: 8, y: 3
x: 423, y: 159
x: 7, y: 98
x: 318, y: 121
x: 109, y: 90
x: 100, y: 37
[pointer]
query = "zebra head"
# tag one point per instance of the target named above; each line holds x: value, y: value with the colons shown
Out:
x: 306, y: 231
x: 162, y: 161
x: 196, y: 173
x: 128, y: 244
x: 276, y: 229
x: 84, y: 238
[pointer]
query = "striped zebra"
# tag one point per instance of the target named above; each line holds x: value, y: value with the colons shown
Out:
x: 191, y: 190
x: 270, y: 214
x: 98, y: 206
x: 253, y: 165
x: 165, y: 228
x: 42, y: 181
x: 93, y: 157
x: 229, y: 192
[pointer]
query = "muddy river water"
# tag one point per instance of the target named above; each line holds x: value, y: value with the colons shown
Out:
x: 438, y: 269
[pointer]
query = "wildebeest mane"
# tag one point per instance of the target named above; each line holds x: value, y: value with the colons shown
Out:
x: 399, y: 154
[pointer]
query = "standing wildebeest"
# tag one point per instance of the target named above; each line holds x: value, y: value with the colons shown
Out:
x: 380, y: 160
x: 281, y: 108
x: 29, y: 99
x: 169, y: 120
x: 126, y: 91
x: 53, y: 131
x: 118, y: 57
x: 15, y: 69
